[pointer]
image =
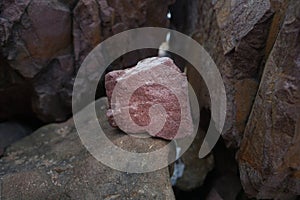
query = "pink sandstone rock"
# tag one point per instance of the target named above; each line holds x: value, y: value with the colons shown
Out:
x: 151, y: 97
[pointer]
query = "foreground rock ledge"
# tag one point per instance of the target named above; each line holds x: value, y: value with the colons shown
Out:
x: 53, y: 164
x: 139, y: 90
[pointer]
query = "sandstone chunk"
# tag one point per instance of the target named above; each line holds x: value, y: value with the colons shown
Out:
x: 150, y: 97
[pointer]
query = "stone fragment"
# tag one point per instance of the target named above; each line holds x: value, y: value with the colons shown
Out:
x: 150, y: 97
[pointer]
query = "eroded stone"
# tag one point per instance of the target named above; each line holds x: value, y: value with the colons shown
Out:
x: 269, y: 155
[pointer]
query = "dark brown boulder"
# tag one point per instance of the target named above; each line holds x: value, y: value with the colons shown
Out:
x: 49, y: 100
x: 36, y: 34
x: 235, y: 34
x: 31, y: 45
x: 43, y: 43
x: 269, y: 155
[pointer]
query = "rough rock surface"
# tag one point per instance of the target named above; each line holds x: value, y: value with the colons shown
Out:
x: 269, y: 157
x: 31, y: 46
x: 42, y: 44
x: 53, y: 164
x: 235, y: 34
x: 238, y: 62
x: 27, y: 48
x: 136, y: 91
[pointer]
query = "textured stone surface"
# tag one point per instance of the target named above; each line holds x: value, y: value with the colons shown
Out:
x: 235, y: 34
x: 269, y: 155
x: 31, y: 46
x: 136, y: 91
x: 53, y: 164
x: 52, y: 90
x: 50, y: 39
x: 237, y: 18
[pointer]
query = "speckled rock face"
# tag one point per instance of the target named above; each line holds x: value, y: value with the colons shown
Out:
x: 269, y: 154
x: 238, y: 35
x: 150, y: 97
x: 53, y: 164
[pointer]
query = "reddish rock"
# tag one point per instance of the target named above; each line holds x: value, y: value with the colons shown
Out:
x: 269, y: 157
x: 134, y: 95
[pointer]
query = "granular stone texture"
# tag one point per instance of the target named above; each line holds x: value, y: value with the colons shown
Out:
x: 150, y: 97
x: 269, y: 157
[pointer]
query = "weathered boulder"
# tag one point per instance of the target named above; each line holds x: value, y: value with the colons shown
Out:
x: 150, y: 97
x: 53, y: 164
x: 51, y: 100
x: 235, y: 34
x: 30, y: 46
x: 269, y: 157
x: 50, y: 39
x: 238, y: 52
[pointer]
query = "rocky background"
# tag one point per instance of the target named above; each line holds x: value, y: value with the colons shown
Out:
x: 255, y: 44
